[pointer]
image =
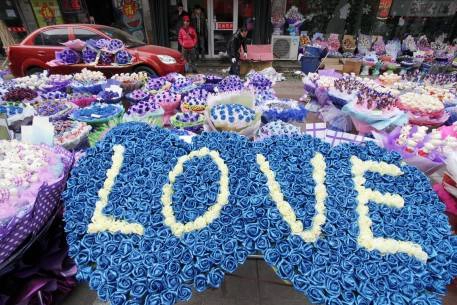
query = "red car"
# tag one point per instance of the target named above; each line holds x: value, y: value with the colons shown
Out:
x: 32, y: 54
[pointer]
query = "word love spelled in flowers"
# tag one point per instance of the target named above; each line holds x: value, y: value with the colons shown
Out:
x: 149, y: 217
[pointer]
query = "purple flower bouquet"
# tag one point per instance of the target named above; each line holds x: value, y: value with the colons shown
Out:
x: 137, y: 96
x: 89, y: 55
x: 145, y: 111
x: 123, y: 57
x: 68, y: 56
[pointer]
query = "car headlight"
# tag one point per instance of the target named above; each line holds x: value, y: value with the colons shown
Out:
x: 166, y: 59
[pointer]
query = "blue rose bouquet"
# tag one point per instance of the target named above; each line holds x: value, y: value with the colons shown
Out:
x: 285, y: 110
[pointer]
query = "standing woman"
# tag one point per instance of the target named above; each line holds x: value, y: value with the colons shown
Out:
x: 187, y: 39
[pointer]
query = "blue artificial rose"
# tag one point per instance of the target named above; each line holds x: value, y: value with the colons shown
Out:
x: 262, y: 243
x: 118, y: 298
x: 274, y: 234
x: 198, y: 249
x: 96, y: 280
x: 393, y: 283
x: 173, y: 282
x: 315, y: 294
x: 300, y: 282
x: 83, y: 257
x: 124, y: 284
x: 111, y: 275
x: 241, y: 255
x: 111, y: 248
x: 285, y: 269
x: 156, y: 286
x: 188, y: 273
x: 215, y: 277
x: 173, y: 268
x: 229, y: 264
x: 272, y: 256
x: 216, y: 256
x: 203, y: 264
x: 139, y: 288
x: 184, y: 293
x: 103, y: 262
x: 126, y: 268
x: 253, y: 231
x: 186, y: 257
x: 165, y: 257
x: 228, y: 247
x: 168, y: 298
x: 157, y: 270
x: 200, y: 283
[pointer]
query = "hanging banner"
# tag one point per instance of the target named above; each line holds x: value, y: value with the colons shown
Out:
x: 47, y: 12
x: 384, y: 9
x: 130, y: 17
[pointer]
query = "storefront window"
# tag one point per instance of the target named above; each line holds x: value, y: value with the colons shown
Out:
x: 223, y: 21
x: 246, y: 16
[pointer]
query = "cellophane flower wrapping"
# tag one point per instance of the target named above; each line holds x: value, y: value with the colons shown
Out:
x: 68, y: 56
x: 244, y: 98
x: 427, y: 165
x: 76, y: 44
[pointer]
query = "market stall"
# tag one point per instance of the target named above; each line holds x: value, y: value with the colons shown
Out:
x: 155, y: 207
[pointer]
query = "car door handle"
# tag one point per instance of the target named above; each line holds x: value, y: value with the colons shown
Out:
x: 41, y: 52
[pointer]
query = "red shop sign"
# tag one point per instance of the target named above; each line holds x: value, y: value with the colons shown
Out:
x: 384, y: 9
x: 228, y: 26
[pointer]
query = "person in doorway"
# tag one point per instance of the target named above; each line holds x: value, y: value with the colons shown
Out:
x: 199, y: 23
x: 179, y: 22
x: 187, y: 39
x: 237, y: 42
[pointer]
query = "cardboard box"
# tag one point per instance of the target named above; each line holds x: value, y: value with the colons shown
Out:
x: 338, y: 67
x: 248, y: 65
x: 352, y: 66
x: 330, y: 61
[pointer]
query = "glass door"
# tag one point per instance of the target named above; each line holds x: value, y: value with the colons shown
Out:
x: 223, y: 23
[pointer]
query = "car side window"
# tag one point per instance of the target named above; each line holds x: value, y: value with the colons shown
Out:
x: 53, y: 37
x: 84, y: 34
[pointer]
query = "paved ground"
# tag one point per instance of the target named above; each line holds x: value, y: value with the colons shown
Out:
x: 254, y: 283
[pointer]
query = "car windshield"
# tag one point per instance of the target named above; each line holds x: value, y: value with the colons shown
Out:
x: 129, y: 40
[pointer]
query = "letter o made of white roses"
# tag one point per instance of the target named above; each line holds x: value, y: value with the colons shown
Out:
x: 178, y: 228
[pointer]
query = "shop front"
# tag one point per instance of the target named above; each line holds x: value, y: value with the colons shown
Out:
x: 222, y: 19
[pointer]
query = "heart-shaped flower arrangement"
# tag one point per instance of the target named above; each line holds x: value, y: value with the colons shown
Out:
x: 150, y: 216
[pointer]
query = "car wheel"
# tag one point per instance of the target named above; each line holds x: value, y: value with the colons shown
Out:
x: 34, y: 70
x: 151, y: 73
